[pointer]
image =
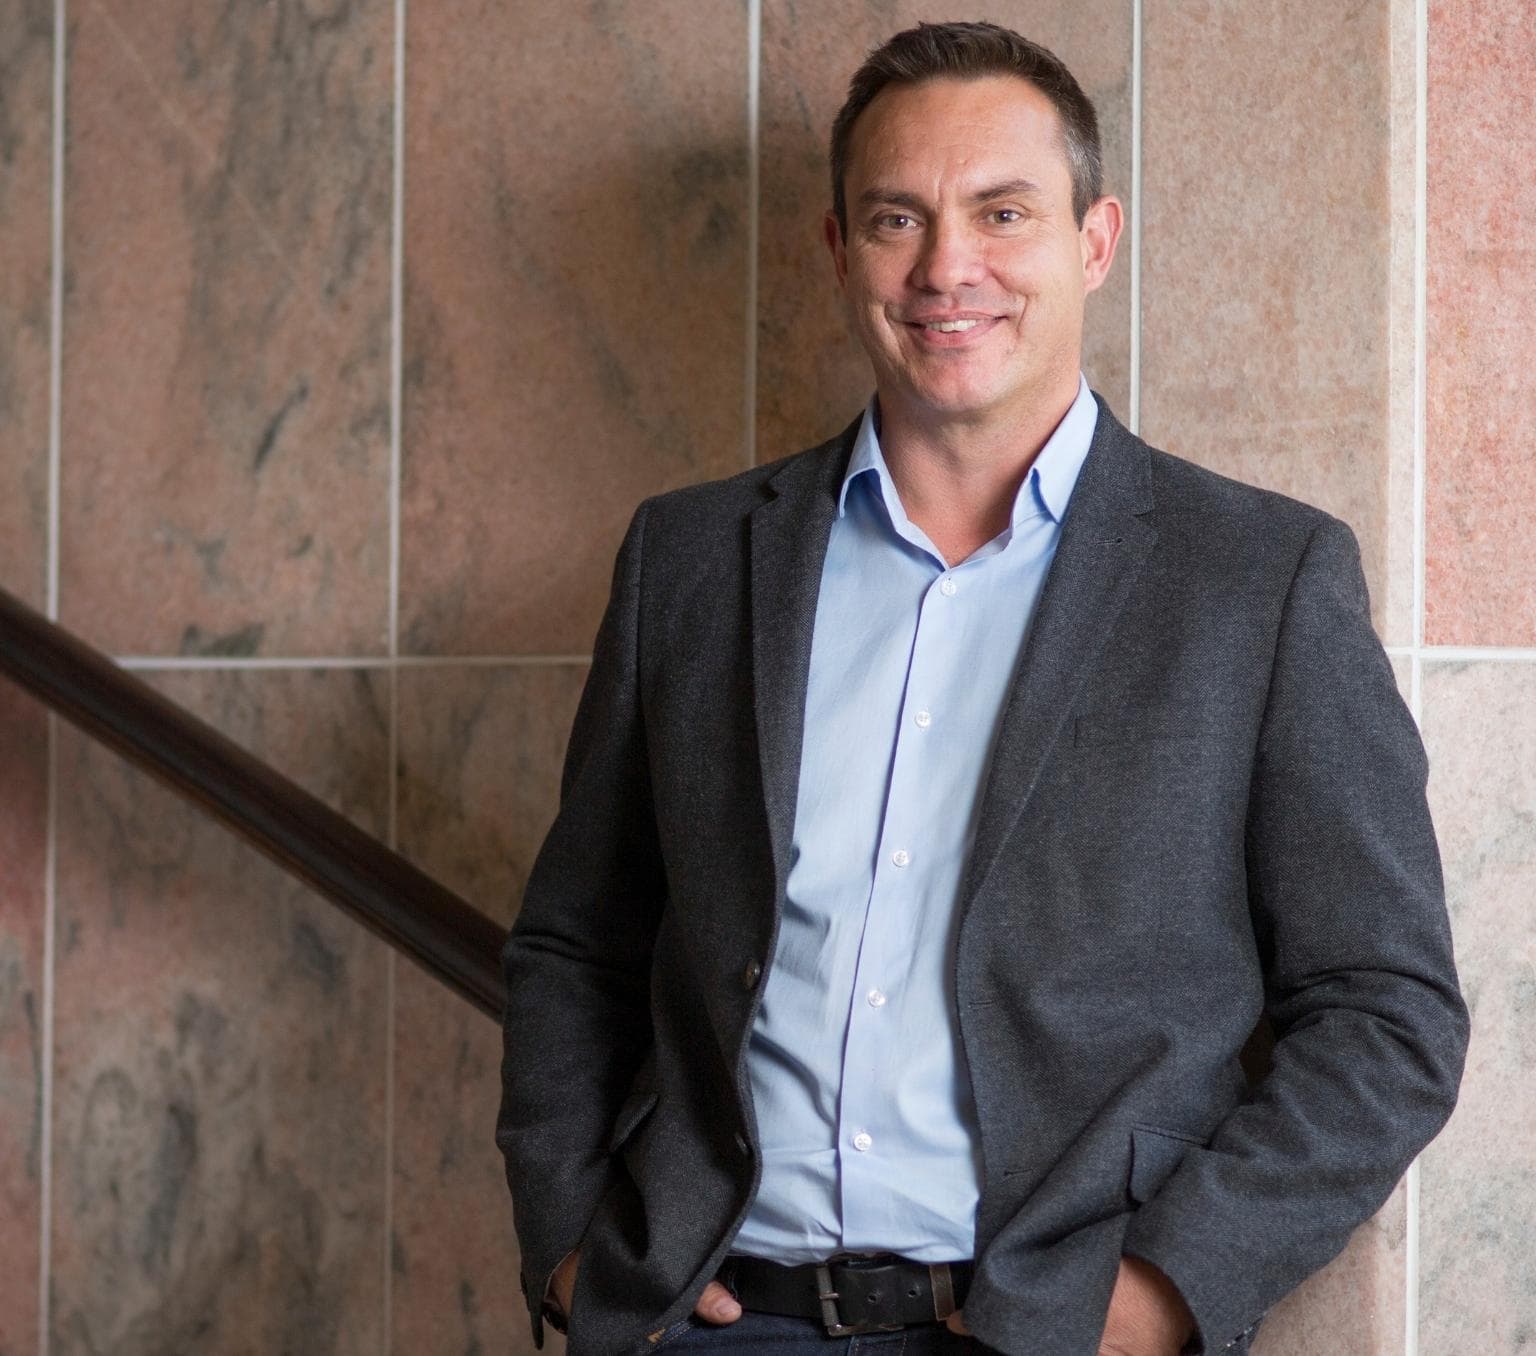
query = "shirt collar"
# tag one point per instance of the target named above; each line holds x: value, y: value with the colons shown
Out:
x: 1047, y: 488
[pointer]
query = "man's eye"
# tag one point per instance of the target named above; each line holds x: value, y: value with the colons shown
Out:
x: 1006, y: 216
x: 894, y: 221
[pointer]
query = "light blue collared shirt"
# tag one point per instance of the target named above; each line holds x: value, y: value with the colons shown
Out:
x: 863, y: 1102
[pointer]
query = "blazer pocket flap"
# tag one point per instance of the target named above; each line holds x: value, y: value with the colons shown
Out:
x: 637, y: 1106
x: 1155, y: 1157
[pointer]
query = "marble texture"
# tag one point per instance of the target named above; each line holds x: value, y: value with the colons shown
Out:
x: 1394, y: 598
x: 1357, y: 1304
x: 1480, y: 583
x: 26, y: 188
x: 23, y: 853
x: 1478, y: 1180
x: 226, y: 331
x: 575, y: 308
x: 1267, y: 269
x: 812, y: 377
x: 220, y: 1042
x: 479, y: 763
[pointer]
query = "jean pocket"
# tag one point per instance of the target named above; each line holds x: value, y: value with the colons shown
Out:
x: 664, y: 1336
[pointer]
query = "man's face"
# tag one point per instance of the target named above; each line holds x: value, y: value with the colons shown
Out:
x: 960, y: 214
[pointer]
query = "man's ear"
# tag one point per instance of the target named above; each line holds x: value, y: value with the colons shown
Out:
x: 1099, y: 234
x: 832, y: 233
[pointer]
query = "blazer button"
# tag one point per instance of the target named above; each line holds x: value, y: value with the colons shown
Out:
x: 751, y: 972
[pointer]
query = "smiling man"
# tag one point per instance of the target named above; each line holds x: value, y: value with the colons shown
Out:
x: 946, y: 806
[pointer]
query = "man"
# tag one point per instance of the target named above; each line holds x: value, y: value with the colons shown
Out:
x: 946, y: 806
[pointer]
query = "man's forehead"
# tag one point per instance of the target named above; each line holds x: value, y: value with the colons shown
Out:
x: 998, y: 128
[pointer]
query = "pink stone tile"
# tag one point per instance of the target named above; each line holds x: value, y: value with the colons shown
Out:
x: 575, y: 310
x: 226, y: 356
x: 26, y: 188
x: 1481, y: 567
x: 23, y: 851
x: 1267, y: 272
x: 1478, y: 1180
x: 812, y: 377
x: 1394, y: 602
x: 480, y: 756
x: 218, y: 1138
x: 1356, y: 1304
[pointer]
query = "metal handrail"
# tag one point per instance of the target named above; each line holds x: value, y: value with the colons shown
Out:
x: 449, y: 939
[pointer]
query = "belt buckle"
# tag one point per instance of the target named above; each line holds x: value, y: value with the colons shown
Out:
x: 832, y: 1320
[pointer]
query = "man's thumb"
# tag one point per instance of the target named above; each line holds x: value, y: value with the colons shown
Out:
x: 717, y: 1305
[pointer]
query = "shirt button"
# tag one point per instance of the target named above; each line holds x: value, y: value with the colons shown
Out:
x: 876, y: 998
x: 947, y: 586
x: 924, y: 719
x: 751, y: 972
x: 862, y: 1142
x: 901, y: 857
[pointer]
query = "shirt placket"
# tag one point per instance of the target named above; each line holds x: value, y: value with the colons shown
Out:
x: 903, y: 876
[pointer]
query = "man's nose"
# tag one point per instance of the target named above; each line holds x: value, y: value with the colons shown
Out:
x: 951, y: 257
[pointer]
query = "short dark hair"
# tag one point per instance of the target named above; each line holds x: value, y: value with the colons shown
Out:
x: 966, y: 51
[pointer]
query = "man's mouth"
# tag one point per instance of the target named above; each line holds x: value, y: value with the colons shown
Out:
x: 950, y: 326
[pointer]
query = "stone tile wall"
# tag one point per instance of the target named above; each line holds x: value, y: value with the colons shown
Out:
x: 325, y: 396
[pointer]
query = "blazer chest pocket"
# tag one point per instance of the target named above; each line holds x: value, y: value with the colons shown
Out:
x: 1137, y: 727
x: 1155, y: 1156
x: 632, y: 1115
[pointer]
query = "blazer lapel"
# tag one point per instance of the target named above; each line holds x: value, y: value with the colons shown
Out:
x: 789, y: 544
x: 1103, y: 546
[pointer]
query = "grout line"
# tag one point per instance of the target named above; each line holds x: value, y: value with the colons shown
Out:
x: 392, y: 757
x: 1411, y: 1241
x: 754, y: 199
x: 1455, y: 654
x: 1135, y: 374
x: 140, y: 663
x: 51, y: 848
x: 56, y: 316
x: 45, y: 1091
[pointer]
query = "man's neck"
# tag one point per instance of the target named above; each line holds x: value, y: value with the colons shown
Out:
x: 958, y: 479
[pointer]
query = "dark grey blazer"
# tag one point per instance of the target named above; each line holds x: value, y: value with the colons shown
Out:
x: 1206, y: 804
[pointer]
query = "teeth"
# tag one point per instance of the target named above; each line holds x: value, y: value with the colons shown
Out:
x: 951, y: 326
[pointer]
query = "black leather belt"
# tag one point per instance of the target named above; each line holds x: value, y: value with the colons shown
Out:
x: 850, y: 1295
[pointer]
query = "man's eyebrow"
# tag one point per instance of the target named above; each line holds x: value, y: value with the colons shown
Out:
x: 1009, y: 188
x: 878, y: 195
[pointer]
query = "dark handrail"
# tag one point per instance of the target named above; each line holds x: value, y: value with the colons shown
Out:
x: 407, y: 908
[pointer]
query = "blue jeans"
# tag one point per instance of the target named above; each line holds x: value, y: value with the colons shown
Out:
x: 777, y: 1335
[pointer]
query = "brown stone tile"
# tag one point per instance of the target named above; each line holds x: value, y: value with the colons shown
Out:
x: 812, y: 377
x: 480, y: 756
x: 1356, y: 1304
x: 1478, y: 1180
x: 26, y: 189
x: 1267, y: 273
x: 1480, y: 581
x: 575, y: 302
x: 226, y: 356
x: 23, y: 853
x: 218, y: 1139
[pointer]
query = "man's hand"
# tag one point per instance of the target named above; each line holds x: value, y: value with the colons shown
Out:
x: 1147, y: 1315
x: 562, y: 1281
x: 716, y: 1305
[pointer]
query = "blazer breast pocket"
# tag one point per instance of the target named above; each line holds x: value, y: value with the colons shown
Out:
x: 1137, y: 727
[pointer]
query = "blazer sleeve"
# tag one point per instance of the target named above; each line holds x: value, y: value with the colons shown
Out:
x: 577, y: 961
x: 1349, y: 916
